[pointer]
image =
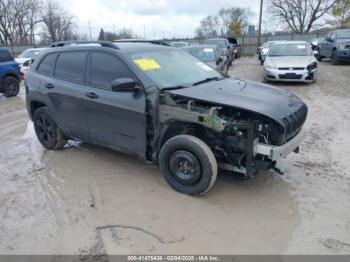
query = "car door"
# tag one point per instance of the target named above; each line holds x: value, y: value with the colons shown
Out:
x: 66, y: 93
x: 115, y: 119
x: 328, y: 46
x: 219, y: 56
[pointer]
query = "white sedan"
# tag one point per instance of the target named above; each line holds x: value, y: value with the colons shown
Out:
x: 24, y: 59
x: 291, y: 61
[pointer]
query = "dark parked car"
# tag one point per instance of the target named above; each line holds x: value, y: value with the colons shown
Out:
x: 211, y: 55
x: 237, y: 50
x: 159, y: 104
x: 336, y: 45
x: 225, y: 46
x: 10, y: 74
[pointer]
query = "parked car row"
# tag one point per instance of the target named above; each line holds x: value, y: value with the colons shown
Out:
x: 211, y: 55
x: 163, y: 106
x: 335, y: 46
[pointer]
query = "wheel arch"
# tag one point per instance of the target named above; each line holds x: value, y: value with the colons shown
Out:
x: 10, y: 74
x: 34, y: 105
x: 172, y: 129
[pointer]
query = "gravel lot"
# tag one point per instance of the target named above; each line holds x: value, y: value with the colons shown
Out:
x: 89, y: 200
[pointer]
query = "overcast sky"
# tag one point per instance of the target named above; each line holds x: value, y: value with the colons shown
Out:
x: 178, y: 18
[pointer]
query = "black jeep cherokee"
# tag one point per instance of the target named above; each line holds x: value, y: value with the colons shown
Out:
x: 163, y: 106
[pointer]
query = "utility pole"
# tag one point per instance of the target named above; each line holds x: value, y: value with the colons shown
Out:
x: 260, y: 21
x: 90, y: 31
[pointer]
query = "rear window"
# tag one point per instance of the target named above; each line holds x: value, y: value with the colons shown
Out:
x: 47, y: 64
x: 70, y: 66
x: 219, y: 42
x: 5, y: 56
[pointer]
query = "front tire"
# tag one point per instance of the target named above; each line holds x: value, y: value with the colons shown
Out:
x: 10, y: 86
x: 47, y: 131
x: 188, y: 165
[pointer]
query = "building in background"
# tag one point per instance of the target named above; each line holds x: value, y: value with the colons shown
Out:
x: 251, y: 31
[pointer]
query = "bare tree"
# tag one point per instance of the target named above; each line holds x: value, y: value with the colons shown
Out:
x: 300, y: 15
x: 17, y: 20
x: 209, y: 26
x: 58, y: 23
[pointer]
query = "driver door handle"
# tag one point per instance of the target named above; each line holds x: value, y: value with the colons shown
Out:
x: 91, y: 95
x: 49, y: 85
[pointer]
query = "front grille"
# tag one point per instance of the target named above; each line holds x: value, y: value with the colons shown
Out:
x: 290, y: 76
x: 295, y: 121
x: 291, y: 68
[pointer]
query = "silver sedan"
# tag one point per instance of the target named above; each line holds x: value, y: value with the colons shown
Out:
x: 291, y: 61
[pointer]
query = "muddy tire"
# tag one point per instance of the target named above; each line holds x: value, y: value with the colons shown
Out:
x: 47, y: 131
x: 188, y: 165
x: 10, y: 86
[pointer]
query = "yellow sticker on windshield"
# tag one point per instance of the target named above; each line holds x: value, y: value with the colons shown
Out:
x: 147, y: 64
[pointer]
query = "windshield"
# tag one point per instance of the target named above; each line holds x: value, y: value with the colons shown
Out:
x: 172, y: 68
x: 290, y: 50
x: 343, y: 35
x: 220, y: 43
x: 178, y: 44
x: 30, y: 53
x: 203, y: 54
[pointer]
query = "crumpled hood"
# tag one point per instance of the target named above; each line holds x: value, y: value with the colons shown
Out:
x: 263, y: 99
x: 292, y: 61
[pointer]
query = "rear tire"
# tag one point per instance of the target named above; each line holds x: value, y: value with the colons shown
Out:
x: 47, y: 131
x: 10, y: 86
x: 188, y: 165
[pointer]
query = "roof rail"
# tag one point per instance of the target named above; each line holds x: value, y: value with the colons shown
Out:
x: 84, y: 42
x: 155, y: 42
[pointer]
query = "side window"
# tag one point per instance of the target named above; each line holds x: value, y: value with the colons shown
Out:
x: 104, y: 68
x: 70, y: 66
x: 47, y: 64
x: 5, y: 56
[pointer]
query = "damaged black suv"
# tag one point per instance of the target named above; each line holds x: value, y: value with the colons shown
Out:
x: 163, y: 106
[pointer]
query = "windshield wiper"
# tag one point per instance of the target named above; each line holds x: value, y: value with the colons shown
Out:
x: 206, y: 80
x: 174, y: 87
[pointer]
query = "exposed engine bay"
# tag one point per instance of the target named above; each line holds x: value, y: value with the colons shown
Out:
x: 232, y: 134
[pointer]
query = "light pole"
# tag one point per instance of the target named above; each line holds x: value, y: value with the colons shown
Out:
x: 260, y: 20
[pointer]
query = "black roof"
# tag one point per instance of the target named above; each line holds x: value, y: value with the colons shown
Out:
x: 122, y: 45
x: 134, y: 47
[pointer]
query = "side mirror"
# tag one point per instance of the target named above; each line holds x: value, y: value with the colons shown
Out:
x: 328, y: 39
x: 124, y: 85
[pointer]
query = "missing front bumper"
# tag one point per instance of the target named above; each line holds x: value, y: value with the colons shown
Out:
x: 276, y: 152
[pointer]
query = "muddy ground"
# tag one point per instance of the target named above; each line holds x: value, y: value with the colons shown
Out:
x: 89, y: 200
